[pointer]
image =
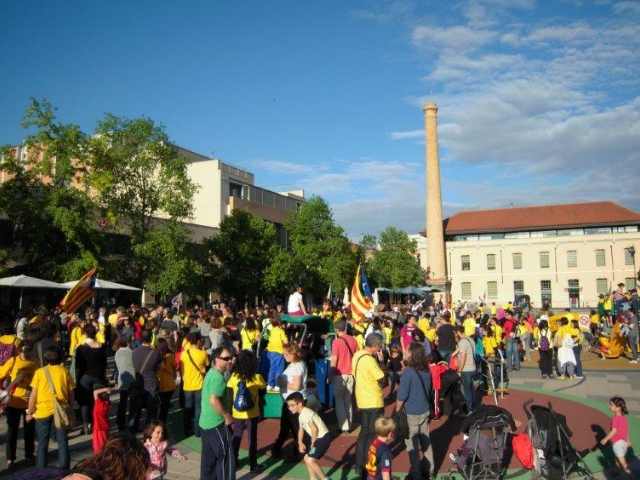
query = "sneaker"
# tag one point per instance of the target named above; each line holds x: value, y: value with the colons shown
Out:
x: 258, y: 467
x: 453, y: 457
x: 561, y: 377
x: 633, y: 361
x: 272, y: 389
x: 579, y: 377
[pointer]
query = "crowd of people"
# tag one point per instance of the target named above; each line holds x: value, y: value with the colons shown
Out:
x: 217, y: 365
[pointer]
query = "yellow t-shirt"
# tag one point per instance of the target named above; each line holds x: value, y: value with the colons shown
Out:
x: 77, y: 338
x: 424, y: 325
x: 100, y: 337
x: 113, y: 319
x: 167, y: 373
x: 359, y: 340
x: 8, y: 339
x: 490, y: 345
x: 255, y: 384
x: 497, y: 333
x: 62, y: 383
x: 367, y: 376
x: 469, y: 325
x: 25, y: 369
x: 249, y: 337
x: 388, y: 331
x: 193, y: 375
x: 594, y: 319
x: 277, y: 340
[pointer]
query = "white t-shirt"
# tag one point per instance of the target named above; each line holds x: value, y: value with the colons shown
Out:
x: 294, y: 302
x: 293, y: 370
x: 307, y: 416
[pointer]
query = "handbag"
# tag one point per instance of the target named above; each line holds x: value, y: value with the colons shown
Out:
x: 402, y: 423
x: 63, y: 415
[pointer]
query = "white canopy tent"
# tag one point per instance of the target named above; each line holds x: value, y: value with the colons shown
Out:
x: 105, y: 285
x: 24, y: 281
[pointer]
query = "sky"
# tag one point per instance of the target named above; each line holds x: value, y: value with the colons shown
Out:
x: 539, y: 101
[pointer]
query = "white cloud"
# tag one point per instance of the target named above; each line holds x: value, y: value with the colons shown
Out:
x: 279, y: 166
x: 626, y: 8
x: 458, y: 38
x: 405, y: 135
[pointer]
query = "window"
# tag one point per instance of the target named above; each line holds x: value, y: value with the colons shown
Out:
x: 545, y: 285
x: 628, y: 258
x: 466, y: 290
x: 518, y: 287
x: 544, y: 259
x: 574, y: 283
x: 602, y: 286
x: 492, y: 290
x: 600, y: 258
x: 466, y: 262
x: 517, y: 261
x: 491, y: 261
x: 572, y: 258
x: 629, y: 284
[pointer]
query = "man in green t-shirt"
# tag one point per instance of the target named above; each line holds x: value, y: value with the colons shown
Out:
x: 215, y: 421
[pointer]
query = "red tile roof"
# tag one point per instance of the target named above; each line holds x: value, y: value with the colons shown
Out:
x: 542, y: 217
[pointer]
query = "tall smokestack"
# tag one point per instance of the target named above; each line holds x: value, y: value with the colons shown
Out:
x: 435, y: 234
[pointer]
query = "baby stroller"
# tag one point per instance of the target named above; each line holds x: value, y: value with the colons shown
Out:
x: 500, y: 373
x: 553, y: 455
x: 482, y: 455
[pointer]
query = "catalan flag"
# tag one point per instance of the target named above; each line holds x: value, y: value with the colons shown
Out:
x: 81, y: 292
x: 361, y: 298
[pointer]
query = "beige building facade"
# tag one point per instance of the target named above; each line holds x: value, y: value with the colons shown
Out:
x: 560, y: 255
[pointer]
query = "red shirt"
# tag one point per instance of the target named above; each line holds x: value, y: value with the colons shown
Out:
x: 344, y: 347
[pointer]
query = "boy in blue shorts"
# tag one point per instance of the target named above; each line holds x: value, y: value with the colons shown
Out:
x: 311, y: 424
x: 380, y: 455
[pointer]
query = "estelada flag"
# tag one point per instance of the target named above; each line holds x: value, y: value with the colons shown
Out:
x: 361, y: 298
x: 80, y: 293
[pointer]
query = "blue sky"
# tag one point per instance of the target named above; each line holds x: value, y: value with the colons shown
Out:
x: 539, y: 101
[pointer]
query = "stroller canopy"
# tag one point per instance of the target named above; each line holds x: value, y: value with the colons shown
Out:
x: 488, y: 416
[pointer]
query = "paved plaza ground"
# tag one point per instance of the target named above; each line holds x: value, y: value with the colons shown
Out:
x: 584, y: 402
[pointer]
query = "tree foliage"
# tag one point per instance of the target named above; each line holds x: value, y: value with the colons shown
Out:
x: 50, y: 213
x: 393, y: 265
x: 320, y: 253
x: 240, y: 253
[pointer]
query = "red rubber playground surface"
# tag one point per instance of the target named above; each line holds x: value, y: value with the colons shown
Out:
x: 587, y: 419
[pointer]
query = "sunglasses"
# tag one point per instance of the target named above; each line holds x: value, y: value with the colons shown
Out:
x: 226, y: 359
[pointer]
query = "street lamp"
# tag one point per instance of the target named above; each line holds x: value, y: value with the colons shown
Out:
x: 632, y: 252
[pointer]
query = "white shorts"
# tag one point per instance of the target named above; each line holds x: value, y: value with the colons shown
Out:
x: 620, y: 448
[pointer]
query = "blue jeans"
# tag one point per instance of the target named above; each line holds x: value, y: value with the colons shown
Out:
x: 218, y: 462
x: 276, y: 367
x: 633, y: 343
x: 44, y: 428
x: 466, y: 379
x: 192, y: 406
x: 513, y: 356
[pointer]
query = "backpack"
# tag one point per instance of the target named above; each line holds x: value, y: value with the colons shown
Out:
x: 243, y: 401
x: 6, y: 352
x: 544, y: 343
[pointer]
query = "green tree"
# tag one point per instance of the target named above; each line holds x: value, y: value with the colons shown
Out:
x: 241, y: 252
x: 320, y: 253
x: 44, y: 200
x: 393, y: 265
x: 170, y: 263
x: 138, y: 176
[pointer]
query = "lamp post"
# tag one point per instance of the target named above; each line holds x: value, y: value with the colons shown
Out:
x: 632, y: 252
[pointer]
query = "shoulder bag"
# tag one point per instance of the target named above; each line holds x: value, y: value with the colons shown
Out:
x: 63, y: 415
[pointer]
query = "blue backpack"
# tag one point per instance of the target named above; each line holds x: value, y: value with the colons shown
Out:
x: 243, y: 401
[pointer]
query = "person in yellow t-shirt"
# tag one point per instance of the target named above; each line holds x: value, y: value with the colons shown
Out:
x: 246, y: 370
x: 368, y: 393
x: 489, y: 342
x: 274, y: 351
x: 77, y: 336
x: 250, y: 334
x: 19, y: 370
x: 469, y: 324
x: 193, y: 368
x: 166, y: 377
x: 41, y: 406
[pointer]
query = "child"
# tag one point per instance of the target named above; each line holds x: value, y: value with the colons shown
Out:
x: 395, y: 367
x: 619, y: 434
x: 101, y: 425
x: 275, y: 351
x: 380, y: 455
x: 311, y: 424
x: 155, y: 438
